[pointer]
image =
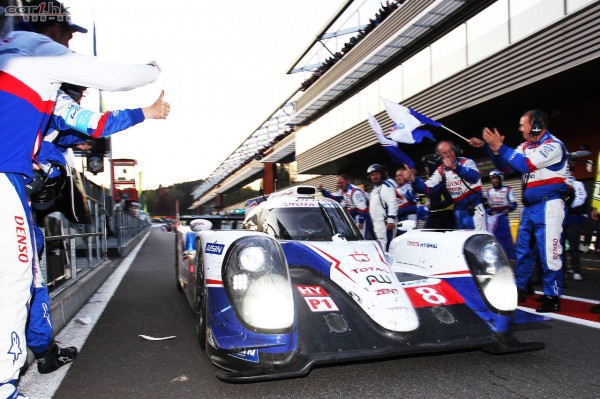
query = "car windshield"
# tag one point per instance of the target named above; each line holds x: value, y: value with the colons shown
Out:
x: 310, y: 223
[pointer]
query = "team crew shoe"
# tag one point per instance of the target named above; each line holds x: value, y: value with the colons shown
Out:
x: 543, y: 298
x: 56, y: 357
x: 551, y: 304
x: 577, y: 276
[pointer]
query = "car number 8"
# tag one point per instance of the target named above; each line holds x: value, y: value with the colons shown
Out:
x: 430, y: 295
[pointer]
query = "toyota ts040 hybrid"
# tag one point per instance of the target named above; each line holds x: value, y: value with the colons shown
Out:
x: 299, y: 286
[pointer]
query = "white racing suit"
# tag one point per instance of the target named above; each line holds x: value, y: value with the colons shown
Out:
x: 32, y: 67
x: 383, y: 209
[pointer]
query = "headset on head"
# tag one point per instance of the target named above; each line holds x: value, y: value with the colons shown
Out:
x: 537, y: 123
x: 457, y: 150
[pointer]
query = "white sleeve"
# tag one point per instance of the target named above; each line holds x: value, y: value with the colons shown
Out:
x: 580, y: 194
x: 359, y: 200
x: 88, y: 71
x: 388, y: 196
x: 546, y: 155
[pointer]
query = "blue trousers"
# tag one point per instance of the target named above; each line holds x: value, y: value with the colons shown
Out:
x: 541, y: 233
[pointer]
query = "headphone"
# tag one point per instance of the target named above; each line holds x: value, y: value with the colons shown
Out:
x: 457, y: 150
x: 537, y: 123
x: 44, y: 190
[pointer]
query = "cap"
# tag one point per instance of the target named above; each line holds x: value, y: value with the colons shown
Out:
x: 75, y: 27
x: 41, y: 13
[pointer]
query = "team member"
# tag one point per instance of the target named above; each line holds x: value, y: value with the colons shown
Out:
x: 577, y: 215
x: 501, y: 201
x: 542, y: 159
x: 382, y: 205
x: 51, y: 158
x: 31, y: 67
x: 440, y: 203
x: 460, y: 177
x: 354, y: 200
x: 406, y: 198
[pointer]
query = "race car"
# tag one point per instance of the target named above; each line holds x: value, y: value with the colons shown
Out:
x: 299, y: 286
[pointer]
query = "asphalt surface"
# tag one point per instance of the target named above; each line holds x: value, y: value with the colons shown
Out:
x: 116, y: 362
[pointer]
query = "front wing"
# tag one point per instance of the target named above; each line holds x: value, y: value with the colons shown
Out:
x: 331, y: 328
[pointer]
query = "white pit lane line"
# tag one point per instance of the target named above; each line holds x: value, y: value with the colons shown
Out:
x: 556, y: 316
x: 43, y: 386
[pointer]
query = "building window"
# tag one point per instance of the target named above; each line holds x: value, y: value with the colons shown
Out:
x: 529, y: 16
x: 574, y: 5
x: 417, y: 73
x: 487, y: 32
x: 369, y: 100
x: 449, y: 54
x: 390, y: 86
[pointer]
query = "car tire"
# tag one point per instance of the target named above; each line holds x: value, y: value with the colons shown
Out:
x: 200, y: 307
x: 177, y: 256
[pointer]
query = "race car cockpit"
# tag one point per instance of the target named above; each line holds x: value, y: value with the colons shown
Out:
x: 319, y: 223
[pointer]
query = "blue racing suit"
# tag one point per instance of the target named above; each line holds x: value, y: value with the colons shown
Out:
x: 544, y: 168
x: 468, y: 210
x: 355, y: 201
x: 32, y: 66
x: 501, y: 202
x: 73, y: 125
x: 407, y: 204
x: 69, y: 118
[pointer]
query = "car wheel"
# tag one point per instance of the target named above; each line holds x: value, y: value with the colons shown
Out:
x: 200, y: 308
x: 179, y: 287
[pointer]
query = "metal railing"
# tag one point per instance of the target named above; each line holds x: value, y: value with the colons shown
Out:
x: 72, y: 250
x: 127, y: 228
x: 78, y: 249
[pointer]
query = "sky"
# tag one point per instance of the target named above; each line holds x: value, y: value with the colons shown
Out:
x: 223, y: 65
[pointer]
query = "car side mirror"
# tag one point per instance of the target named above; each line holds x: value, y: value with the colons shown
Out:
x: 200, y: 225
x: 406, y: 225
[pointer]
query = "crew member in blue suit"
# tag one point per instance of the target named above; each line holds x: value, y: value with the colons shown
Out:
x: 31, y: 68
x: 542, y: 159
x: 354, y: 200
x: 501, y: 200
x: 405, y: 198
x: 69, y: 118
x: 461, y: 177
x: 79, y: 124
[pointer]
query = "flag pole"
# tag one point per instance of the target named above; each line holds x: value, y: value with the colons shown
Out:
x: 453, y: 132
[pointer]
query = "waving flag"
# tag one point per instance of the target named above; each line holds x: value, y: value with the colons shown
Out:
x: 407, y: 120
x: 390, y: 146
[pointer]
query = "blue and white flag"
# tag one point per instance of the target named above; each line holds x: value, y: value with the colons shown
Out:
x: 406, y: 121
x: 390, y: 146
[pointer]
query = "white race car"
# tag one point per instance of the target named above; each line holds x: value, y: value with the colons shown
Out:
x: 300, y: 286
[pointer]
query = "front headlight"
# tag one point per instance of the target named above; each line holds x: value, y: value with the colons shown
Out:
x: 492, y: 272
x: 255, y: 259
x: 258, y: 284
